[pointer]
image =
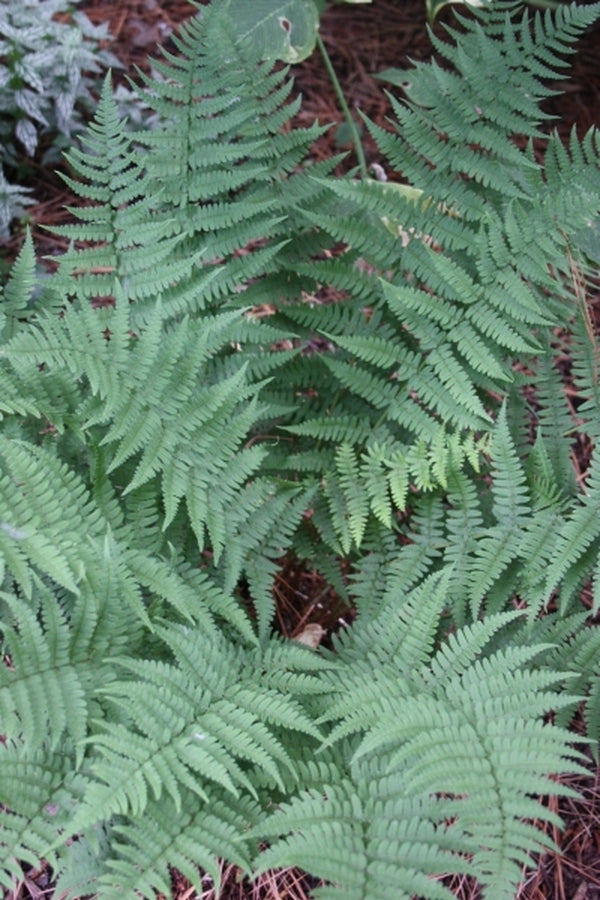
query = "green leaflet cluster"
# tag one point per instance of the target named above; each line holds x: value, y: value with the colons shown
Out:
x: 183, y: 407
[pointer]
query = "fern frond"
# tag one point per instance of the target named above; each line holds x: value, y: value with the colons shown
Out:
x: 261, y: 527
x: 82, y: 342
x: 579, y: 533
x: 121, y: 220
x: 498, y: 546
x: 414, y: 724
x: 576, y: 649
x: 367, y: 842
x: 17, y: 292
x: 144, y: 851
x: 38, y: 795
x: 586, y: 365
x: 43, y: 696
x: 35, y: 517
x: 184, y: 726
x: 251, y: 361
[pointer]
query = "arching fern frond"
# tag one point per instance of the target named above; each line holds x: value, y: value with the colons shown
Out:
x: 576, y: 548
x: 17, y: 292
x: 251, y: 361
x: 35, y: 489
x: 497, y: 547
x: 38, y: 795
x: 191, y: 725
x: 43, y: 694
x: 367, y: 837
x: 414, y: 719
x: 466, y: 281
x: 119, y: 224
x: 145, y: 851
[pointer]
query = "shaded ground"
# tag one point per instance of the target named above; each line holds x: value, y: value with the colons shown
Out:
x: 361, y: 40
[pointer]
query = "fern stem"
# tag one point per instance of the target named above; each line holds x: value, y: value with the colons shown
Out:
x: 360, y: 153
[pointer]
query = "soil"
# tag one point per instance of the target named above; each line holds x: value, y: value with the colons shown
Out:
x: 362, y: 39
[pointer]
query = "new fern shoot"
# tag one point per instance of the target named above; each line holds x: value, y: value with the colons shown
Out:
x: 164, y: 446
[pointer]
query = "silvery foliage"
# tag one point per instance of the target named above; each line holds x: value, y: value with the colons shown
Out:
x: 50, y: 57
x: 14, y: 201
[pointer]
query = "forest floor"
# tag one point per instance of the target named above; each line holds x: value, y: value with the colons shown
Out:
x: 362, y: 39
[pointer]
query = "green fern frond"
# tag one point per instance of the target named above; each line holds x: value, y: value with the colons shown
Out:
x: 579, y: 533
x: 334, y: 429
x: 351, y: 518
x: 464, y: 523
x: 252, y: 361
x: 592, y: 715
x: 184, y: 726
x: 144, y: 851
x: 370, y: 841
x: 576, y: 649
x: 393, y: 564
x: 40, y: 537
x: 555, y: 425
x: 411, y: 632
x: 231, y: 155
x: 121, y: 221
x: 44, y: 695
x: 83, y: 342
x: 502, y: 740
x: 261, y: 527
x: 415, y: 726
x: 36, y: 527
x: 39, y: 792
x: 168, y: 367
x: 586, y: 366
x: 17, y: 292
x: 497, y: 547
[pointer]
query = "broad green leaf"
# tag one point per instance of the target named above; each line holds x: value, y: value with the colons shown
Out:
x: 280, y: 29
x: 434, y: 6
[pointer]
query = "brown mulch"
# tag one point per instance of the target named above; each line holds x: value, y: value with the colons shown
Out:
x: 362, y: 39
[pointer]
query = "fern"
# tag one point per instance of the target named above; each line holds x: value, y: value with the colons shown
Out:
x: 41, y: 790
x: 25, y: 713
x: 182, y: 411
x: 500, y: 545
x: 413, y: 715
